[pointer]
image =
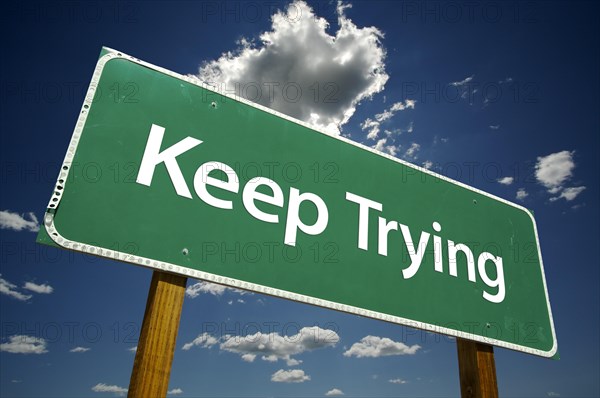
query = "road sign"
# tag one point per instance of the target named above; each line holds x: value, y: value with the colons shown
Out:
x: 164, y: 172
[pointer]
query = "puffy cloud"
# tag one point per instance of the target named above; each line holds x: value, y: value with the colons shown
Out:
x: 301, y: 70
x: 196, y: 289
x: 80, y: 349
x: 397, y: 381
x: 175, y: 391
x: 10, y: 289
x: 204, y: 340
x: 522, y: 194
x: 569, y: 194
x: 554, y: 170
x: 17, y: 222
x: 428, y: 164
x: 335, y: 392
x: 101, y: 387
x: 289, y: 376
x: 21, y: 344
x: 271, y: 347
x: 41, y: 289
x: 411, y: 152
x: 506, y: 180
x: 390, y: 149
x: 199, y: 288
x: 374, y: 347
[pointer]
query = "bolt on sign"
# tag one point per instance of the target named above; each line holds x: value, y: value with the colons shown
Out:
x: 165, y: 172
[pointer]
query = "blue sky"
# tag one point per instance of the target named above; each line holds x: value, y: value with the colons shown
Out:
x: 501, y: 96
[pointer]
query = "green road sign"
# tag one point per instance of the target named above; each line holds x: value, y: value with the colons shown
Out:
x: 164, y: 172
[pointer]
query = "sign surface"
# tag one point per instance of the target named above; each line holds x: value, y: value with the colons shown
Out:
x: 164, y: 172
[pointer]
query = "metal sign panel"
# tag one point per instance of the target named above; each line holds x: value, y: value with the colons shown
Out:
x: 164, y: 172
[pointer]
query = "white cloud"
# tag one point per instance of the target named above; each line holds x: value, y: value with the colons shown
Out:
x: 373, y: 126
x: 101, y: 387
x: 270, y: 347
x: 204, y: 340
x: 374, y: 347
x: 506, y: 80
x: 80, y: 349
x: 17, y: 222
x: 569, y: 194
x: 21, y: 344
x: 411, y: 152
x: 397, y: 381
x: 554, y: 170
x: 10, y: 290
x: 289, y: 376
x: 333, y: 71
x: 41, y: 289
x: 462, y: 82
x: 132, y: 349
x: 522, y: 194
x: 495, y: 126
x: 175, y: 391
x: 196, y: 289
x: 335, y: 392
x: 428, y: 164
x: 199, y: 288
x: 553, y: 394
x: 506, y: 180
x: 389, y: 149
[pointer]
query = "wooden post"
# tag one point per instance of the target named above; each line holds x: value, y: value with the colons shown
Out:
x: 477, y: 370
x: 156, y: 346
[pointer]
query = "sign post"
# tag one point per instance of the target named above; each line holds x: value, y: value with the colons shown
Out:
x: 477, y: 370
x: 156, y: 345
x: 294, y: 212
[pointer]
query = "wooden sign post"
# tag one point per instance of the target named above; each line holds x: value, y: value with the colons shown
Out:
x: 156, y: 346
x: 477, y: 370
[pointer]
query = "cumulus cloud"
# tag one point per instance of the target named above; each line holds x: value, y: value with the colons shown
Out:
x: 522, y: 194
x: 554, y: 170
x: 21, y: 344
x: 301, y: 70
x: 289, y: 376
x: 374, y: 347
x: 270, y: 347
x: 569, y: 194
x: 40, y: 289
x: 17, y: 222
x: 428, y: 164
x: 397, y: 381
x: 506, y: 180
x: 411, y: 152
x: 80, y: 349
x: 10, y: 290
x: 101, y: 387
x: 204, y: 340
x: 175, y: 391
x: 382, y: 146
x: 335, y: 392
x: 199, y: 288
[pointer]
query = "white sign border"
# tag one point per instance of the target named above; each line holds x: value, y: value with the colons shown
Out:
x: 238, y: 284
